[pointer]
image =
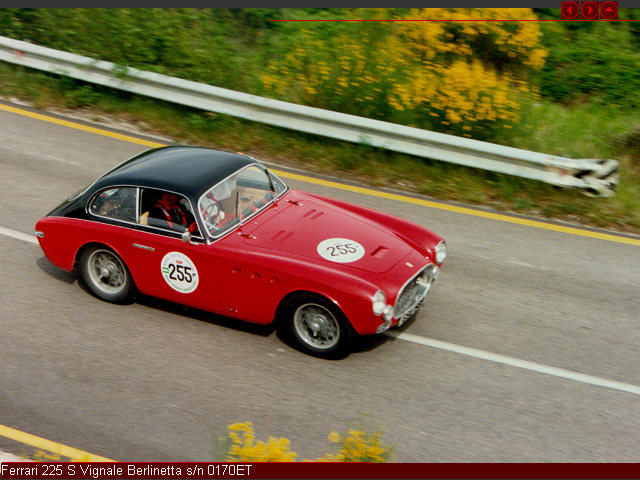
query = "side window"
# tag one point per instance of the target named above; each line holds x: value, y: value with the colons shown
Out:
x: 118, y: 203
x: 167, y: 210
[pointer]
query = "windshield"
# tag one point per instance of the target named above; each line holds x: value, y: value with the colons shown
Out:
x: 238, y: 197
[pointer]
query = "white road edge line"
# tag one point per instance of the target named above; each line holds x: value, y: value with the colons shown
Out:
x: 451, y: 347
x: 7, y: 232
x: 515, y: 362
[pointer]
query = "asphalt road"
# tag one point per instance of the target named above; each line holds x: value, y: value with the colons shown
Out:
x: 155, y: 381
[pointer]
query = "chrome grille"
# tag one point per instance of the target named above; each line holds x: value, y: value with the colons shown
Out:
x: 413, y: 293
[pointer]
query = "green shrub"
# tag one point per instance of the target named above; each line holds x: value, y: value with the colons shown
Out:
x: 592, y: 61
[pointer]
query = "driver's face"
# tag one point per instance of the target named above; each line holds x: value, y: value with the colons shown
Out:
x: 170, y: 199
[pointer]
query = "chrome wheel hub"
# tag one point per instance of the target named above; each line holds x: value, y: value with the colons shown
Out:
x: 106, y: 271
x: 316, y: 326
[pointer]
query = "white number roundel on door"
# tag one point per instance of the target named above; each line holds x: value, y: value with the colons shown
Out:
x: 179, y: 272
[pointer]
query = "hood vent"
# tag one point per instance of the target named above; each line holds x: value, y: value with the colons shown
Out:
x: 379, y: 252
x: 281, y: 236
x: 313, y: 214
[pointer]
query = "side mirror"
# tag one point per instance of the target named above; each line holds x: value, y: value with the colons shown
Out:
x: 186, y: 236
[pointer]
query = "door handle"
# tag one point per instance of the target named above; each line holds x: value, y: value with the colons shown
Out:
x: 144, y: 247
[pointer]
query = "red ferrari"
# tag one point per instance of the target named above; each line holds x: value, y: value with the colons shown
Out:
x: 219, y: 232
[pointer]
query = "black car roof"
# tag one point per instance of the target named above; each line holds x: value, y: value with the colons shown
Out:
x: 182, y: 169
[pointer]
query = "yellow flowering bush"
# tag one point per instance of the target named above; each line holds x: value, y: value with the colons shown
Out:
x: 468, y: 75
x: 245, y: 448
x: 465, y: 76
x: 355, y: 446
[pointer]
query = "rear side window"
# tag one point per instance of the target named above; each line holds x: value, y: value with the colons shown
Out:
x: 118, y: 203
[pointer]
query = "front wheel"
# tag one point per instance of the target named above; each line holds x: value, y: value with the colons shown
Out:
x: 106, y: 275
x: 318, y: 326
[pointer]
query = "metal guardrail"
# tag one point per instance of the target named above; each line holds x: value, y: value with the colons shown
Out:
x: 594, y: 177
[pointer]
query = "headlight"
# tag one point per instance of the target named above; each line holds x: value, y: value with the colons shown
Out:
x: 379, y: 302
x: 388, y: 313
x: 441, y: 252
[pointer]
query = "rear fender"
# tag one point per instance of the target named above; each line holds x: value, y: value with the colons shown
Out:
x: 64, y: 239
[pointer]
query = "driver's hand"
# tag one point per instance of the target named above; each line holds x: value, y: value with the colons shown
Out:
x: 219, y: 218
x: 193, y: 227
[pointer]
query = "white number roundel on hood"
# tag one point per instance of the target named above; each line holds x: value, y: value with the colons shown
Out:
x: 340, y: 250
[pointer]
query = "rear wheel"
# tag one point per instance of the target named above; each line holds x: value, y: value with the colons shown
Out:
x: 106, y: 275
x: 318, y: 326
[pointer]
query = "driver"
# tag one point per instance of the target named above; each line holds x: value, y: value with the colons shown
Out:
x: 169, y: 212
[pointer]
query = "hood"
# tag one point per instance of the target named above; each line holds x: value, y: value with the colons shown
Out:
x: 324, y: 233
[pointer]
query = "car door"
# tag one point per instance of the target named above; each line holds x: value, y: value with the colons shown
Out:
x: 165, y: 266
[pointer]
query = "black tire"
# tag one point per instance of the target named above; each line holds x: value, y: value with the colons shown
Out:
x: 106, y: 275
x: 317, y: 326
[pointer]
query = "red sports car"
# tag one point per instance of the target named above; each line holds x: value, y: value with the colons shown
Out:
x: 243, y: 245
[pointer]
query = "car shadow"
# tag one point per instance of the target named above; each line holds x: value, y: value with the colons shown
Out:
x: 370, y: 342
x: 54, y: 272
x: 361, y: 343
x: 203, y: 315
x: 366, y: 343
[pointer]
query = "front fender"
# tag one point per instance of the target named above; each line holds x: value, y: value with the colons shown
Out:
x: 350, y: 293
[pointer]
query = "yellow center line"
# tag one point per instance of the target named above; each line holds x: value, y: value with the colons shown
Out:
x: 42, y: 443
x: 362, y: 190
x: 78, y: 126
